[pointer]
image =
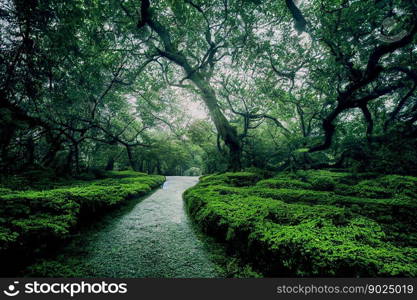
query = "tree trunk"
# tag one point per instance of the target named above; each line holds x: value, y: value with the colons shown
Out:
x: 68, y: 165
x: 225, y: 130
x: 30, y: 152
x: 171, y: 52
x: 6, y: 134
x: 77, y: 158
x: 141, y: 168
x: 50, y: 156
x: 158, y: 166
x: 110, y: 163
x: 130, y: 157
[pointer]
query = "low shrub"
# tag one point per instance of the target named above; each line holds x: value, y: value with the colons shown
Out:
x: 54, y: 268
x: 32, y: 220
x: 282, y: 183
x: 96, y: 197
x: 337, y: 177
x: 232, y: 179
x: 284, y: 226
x: 5, y: 191
x: 398, y: 185
x: 384, y: 187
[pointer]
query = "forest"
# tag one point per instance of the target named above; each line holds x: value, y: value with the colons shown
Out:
x: 268, y: 138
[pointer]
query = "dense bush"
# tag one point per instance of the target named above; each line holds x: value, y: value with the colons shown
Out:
x: 282, y: 183
x: 234, y: 179
x: 193, y: 171
x: 31, y: 220
x: 313, y: 223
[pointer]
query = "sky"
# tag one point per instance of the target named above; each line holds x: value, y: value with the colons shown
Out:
x: 195, y: 109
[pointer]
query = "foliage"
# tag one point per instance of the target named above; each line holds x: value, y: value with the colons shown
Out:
x: 90, y: 88
x: 282, y: 183
x: 194, y: 171
x: 234, y: 179
x: 83, y: 86
x: 290, y: 229
x: 32, y: 221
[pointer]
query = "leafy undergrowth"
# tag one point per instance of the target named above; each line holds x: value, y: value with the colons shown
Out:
x: 312, y: 223
x: 34, y: 219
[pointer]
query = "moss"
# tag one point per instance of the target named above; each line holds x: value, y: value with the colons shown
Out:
x: 286, y: 228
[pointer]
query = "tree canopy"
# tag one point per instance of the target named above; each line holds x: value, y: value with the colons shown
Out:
x: 174, y: 86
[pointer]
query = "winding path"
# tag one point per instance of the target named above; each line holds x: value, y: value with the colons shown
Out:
x: 153, y: 238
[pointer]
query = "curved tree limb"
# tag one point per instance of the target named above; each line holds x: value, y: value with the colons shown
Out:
x: 346, y: 99
x: 300, y: 22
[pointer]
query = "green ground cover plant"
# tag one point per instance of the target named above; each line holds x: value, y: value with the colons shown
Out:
x: 312, y: 223
x: 37, y: 216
